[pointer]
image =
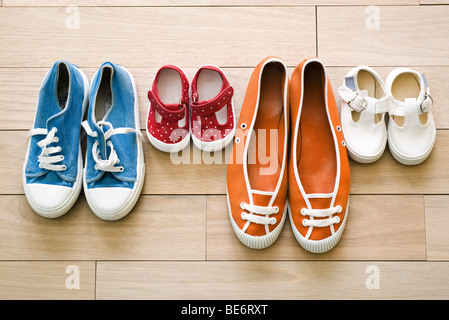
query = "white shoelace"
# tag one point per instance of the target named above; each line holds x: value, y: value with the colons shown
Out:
x: 107, y: 164
x: 46, y: 159
x: 259, y: 210
x: 321, y: 213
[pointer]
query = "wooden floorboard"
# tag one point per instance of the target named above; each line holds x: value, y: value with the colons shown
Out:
x: 367, y: 236
x: 159, y: 228
x: 153, y: 36
x: 383, y: 36
x: 19, y: 87
x: 195, y: 172
x: 434, y: 2
x: 177, y: 243
x: 437, y: 237
x: 47, y: 280
x: 272, y: 280
x: 206, y: 2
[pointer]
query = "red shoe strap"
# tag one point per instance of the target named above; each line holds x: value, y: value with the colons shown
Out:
x: 207, y: 107
x: 172, y: 112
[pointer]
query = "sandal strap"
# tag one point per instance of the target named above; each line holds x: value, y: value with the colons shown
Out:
x: 171, y: 112
x: 400, y: 108
x: 422, y: 105
x: 354, y: 100
x: 208, y: 107
x: 358, y: 103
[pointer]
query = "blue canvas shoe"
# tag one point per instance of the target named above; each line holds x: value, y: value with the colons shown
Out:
x: 115, y: 168
x: 52, y: 170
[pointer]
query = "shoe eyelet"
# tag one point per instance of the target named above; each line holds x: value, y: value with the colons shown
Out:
x: 243, y: 216
x: 304, y: 223
x: 339, y: 208
x: 122, y: 169
x: 64, y: 167
x: 242, y: 204
x: 243, y: 126
x: 343, y: 143
x: 56, y: 140
x: 277, y: 209
x: 273, y: 221
x: 338, y: 128
x: 337, y: 220
x: 303, y: 211
x: 237, y: 140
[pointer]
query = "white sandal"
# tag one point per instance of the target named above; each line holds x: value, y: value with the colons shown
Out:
x: 364, y: 103
x: 411, y: 129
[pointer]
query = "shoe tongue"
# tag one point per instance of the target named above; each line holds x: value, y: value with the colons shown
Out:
x: 320, y: 203
x: 261, y: 199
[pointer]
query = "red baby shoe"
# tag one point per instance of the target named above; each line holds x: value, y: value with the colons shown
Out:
x: 168, y: 112
x: 212, y: 119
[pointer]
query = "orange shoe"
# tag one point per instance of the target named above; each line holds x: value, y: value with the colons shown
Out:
x: 319, y: 177
x: 257, y: 172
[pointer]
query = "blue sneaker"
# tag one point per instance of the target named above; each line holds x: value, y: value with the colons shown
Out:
x: 52, y: 171
x: 115, y: 167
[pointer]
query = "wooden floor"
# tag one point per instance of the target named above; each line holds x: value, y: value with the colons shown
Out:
x: 178, y: 242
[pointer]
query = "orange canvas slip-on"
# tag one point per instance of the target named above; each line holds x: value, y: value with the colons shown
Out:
x: 319, y: 176
x: 257, y: 170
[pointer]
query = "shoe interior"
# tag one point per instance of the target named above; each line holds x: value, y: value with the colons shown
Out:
x: 103, y: 100
x: 169, y: 88
x: 406, y: 85
x: 209, y: 85
x: 317, y: 161
x: 266, y: 148
x: 62, y: 88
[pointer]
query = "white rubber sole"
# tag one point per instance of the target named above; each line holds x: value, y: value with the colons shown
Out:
x: 253, y: 242
x: 212, y: 146
x: 69, y: 201
x: 128, y: 205
x: 319, y: 246
x: 410, y: 161
x: 365, y: 158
